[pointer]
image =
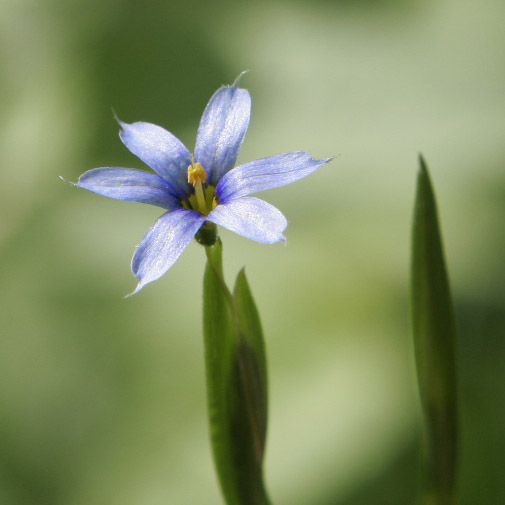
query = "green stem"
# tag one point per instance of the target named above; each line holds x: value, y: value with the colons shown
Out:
x: 217, y: 273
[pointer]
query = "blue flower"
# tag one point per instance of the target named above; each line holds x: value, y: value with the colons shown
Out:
x: 199, y: 190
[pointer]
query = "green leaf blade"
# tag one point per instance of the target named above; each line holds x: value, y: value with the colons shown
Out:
x: 236, y: 384
x: 434, y: 332
x: 253, y: 358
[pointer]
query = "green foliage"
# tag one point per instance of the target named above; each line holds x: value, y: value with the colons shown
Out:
x: 236, y: 384
x: 434, y: 334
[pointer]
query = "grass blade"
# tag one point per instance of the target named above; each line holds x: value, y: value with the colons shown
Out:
x: 434, y: 333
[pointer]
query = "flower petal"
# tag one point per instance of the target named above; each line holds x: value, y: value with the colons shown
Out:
x: 163, y: 244
x: 251, y: 217
x: 266, y: 173
x: 222, y: 129
x: 130, y: 185
x: 160, y: 150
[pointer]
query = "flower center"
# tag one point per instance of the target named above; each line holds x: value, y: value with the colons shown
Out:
x: 196, y: 174
x: 203, y: 200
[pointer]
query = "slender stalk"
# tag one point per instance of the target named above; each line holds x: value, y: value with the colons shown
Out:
x: 217, y: 273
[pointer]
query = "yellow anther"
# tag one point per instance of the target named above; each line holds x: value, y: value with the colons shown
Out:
x: 196, y: 174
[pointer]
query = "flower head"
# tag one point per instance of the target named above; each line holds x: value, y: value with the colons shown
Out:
x: 199, y: 190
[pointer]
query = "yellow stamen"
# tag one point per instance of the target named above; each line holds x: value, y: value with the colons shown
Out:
x: 197, y: 175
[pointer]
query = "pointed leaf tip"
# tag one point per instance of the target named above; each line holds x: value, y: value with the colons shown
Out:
x: 422, y: 162
x: 434, y: 333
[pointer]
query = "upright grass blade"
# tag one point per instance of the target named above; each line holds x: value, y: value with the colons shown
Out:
x: 236, y: 384
x: 434, y: 333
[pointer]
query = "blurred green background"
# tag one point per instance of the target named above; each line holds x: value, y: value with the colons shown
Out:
x: 102, y: 399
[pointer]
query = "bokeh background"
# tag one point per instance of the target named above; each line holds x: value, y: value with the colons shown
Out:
x: 102, y: 399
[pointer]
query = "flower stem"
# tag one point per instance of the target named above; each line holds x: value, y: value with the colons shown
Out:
x: 217, y: 273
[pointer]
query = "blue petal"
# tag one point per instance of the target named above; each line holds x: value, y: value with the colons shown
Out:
x: 266, y: 173
x: 222, y: 129
x: 160, y: 150
x: 130, y: 185
x: 163, y: 244
x: 251, y: 217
